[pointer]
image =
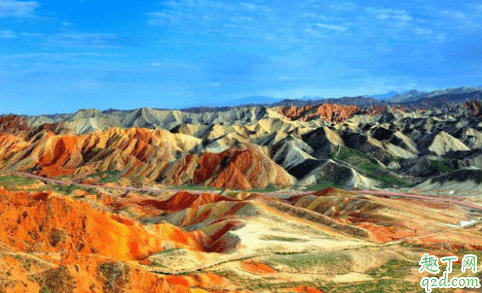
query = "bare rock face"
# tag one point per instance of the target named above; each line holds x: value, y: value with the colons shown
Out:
x: 417, y: 167
x: 329, y: 112
x: 13, y: 124
x: 237, y: 167
x: 340, y: 174
x: 393, y: 165
x: 244, y: 147
x: 131, y: 150
x: 444, y: 143
x: 474, y: 107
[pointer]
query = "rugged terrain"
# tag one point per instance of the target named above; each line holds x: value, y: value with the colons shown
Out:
x: 316, y: 198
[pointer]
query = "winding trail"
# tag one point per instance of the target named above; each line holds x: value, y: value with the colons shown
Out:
x: 164, y: 271
x: 272, y: 193
x: 422, y: 197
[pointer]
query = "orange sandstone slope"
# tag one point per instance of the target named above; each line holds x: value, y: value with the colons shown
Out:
x: 144, y: 154
x: 330, y: 112
x: 236, y: 167
x: 47, y: 222
x: 53, y: 155
x: 57, y: 244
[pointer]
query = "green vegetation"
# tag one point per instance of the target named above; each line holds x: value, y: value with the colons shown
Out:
x: 194, y: 187
x: 168, y: 251
x: 444, y: 167
x: 374, y: 171
x: 54, y: 280
x: 377, y: 286
x: 394, y: 268
x: 393, y: 159
x: 281, y: 238
x: 107, y: 176
x: 334, y: 262
x: 108, y: 173
x: 12, y: 181
x: 368, y: 166
x: 269, y: 188
x: 115, y: 274
x: 346, y: 153
x: 68, y: 189
x: 324, y: 183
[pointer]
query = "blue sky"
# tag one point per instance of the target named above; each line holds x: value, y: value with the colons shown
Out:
x: 60, y: 56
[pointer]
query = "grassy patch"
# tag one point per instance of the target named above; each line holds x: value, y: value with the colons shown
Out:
x: 55, y: 280
x: 393, y: 159
x: 281, y: 238
x: 444, y: 167
x: 107, y: 176
x: 195, y: 187
x: 394, y: 268
x: 332, y: 262
x: 269, y: 188
x: 367, y: 166
x: 168, y: 251
x: 68, y: 189
x: 374, y: 171
x: 324, y: 183
x: 346, y: 153
x: 11, y: 181
x: 115, y: 274
x: 106, y: 173
x: 378, y: 286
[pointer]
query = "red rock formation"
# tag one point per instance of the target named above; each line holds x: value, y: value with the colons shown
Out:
x: 474, y: 107
x: 179, y: 201
x: 139, y: 153
x: 295, y: 113
x: 133, y: 149
x: 377, y: 109
x: 236, y: 167
x: 46, y: 222
x: 255, y: 267
x: 13, y: 124
x: 330, y: 112
x: 66, y: 245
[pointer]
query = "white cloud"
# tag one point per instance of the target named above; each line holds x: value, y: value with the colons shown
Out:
x: 157, y: 64
x: 422, y: 31
x: 313, y: 32
x: 383, y: 16
x: 10, y: 8
x: 469, y: 20
x: 441, y: 36
x: 330, y: 26
x: 6, y: 34
x: 251, y: 20
x: 454, y: 14
x: 402, y: 16
x: 84, y: 40
x: 32, y: 35
x: 54, y: 56
x: 343, y: 6
x: 283, y: 77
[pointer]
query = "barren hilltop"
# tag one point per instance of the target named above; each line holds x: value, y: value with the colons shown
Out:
x: 271, y: 198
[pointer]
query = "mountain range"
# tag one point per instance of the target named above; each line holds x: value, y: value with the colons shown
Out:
x: 329, y: 195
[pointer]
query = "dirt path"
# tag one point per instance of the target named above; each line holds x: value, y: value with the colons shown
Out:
x: 418, y: 196
x: 273, y: 193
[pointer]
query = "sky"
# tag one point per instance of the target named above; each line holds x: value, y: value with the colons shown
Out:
x: 62, y: 56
